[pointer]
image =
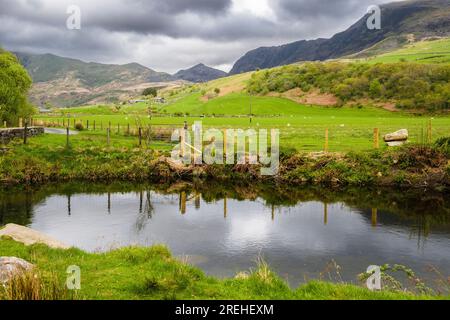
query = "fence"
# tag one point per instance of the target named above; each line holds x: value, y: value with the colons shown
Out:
x: 320, y: 138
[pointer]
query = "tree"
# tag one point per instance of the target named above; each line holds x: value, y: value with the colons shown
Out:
x: 150, y: 92
x: 14, y: 85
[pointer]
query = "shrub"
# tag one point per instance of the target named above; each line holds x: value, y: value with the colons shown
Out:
x: 443, y: 145
x: 79, y: 127
x: 150, y: 92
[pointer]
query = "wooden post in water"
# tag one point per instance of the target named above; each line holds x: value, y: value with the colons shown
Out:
x: 376, y: 138
x: 325, y: 213
x: 197, y: 201
x: 326, y: 140
x: 183, y: 202
x: 225, y: 207
x: 374, y: 217
x: 69, y: 205
x: 25, y: 133
x: 109, y: 202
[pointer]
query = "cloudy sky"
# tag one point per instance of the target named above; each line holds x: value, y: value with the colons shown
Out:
x: 168, y: 35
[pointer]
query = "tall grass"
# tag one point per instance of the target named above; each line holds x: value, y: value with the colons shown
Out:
x: 31, y: 286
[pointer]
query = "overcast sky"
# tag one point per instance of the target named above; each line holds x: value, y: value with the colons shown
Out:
x: 168, y: 35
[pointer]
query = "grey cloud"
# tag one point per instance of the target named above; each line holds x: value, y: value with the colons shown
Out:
x: 168, y: 34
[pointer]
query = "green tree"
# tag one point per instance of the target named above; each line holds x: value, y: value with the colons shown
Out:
x: 14, y: 85
x: 150, y: 92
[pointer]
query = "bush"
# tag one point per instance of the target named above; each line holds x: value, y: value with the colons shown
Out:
x: 411, y: 85
x: 79, y: 127
x: 443, y: 145
x: 150, y: 92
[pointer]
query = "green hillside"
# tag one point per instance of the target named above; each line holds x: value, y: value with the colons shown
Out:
x: 436, y: 51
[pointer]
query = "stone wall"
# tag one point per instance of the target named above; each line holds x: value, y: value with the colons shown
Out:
x: 12, y: 133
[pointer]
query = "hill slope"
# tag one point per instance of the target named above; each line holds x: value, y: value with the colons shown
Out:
x: 68, y: 82
x: 421, y: 18
x: 200, y: 73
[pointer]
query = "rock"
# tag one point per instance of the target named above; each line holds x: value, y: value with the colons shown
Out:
x: 29, y: 236
x: 397, y: 138
x: 11, y: 267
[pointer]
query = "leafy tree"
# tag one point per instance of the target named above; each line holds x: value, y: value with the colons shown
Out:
x: 14, y: 85
x: 150, y: 92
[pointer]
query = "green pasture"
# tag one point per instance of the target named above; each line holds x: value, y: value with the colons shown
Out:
x: 301, y: 127
x: 437, y: 51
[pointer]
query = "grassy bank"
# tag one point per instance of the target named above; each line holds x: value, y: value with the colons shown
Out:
x: 152, y: 273
x: 45, y: 159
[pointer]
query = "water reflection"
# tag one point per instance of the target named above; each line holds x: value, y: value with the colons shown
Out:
x: 224, y: 230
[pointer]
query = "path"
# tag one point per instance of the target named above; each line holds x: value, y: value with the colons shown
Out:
x: 60, y: 131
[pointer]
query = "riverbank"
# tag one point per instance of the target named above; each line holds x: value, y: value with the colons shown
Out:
x: 153, y: 273
x: 413, y: 166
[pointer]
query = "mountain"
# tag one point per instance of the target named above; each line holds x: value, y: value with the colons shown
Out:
x: 404, y: 20
x: 48, y: 67
x: 200, y: 73
x: 68, y: 82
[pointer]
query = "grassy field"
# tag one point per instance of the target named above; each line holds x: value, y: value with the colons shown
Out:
x: 152, y: 273
x: 437, y: 51
x: 301, y: 127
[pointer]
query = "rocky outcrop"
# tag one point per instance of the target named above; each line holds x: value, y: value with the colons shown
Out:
x: 397, y: 138
x: 29, y: 236
x: 11, y: 267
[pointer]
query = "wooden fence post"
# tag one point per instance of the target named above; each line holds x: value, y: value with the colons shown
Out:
x: 87, y: 125
x: 108, y: 136
x: 225, y: 143
x: 430, y: 132
x: 128, y: 129
x: 183, y: 143
x: 94, y: 125
x: 67, y: 137
x: 20, y: 123
x: 376, y: 138
x: 326, y: 140
x: 140, y: 137
x: 118, y: 128
x: 25, y: 133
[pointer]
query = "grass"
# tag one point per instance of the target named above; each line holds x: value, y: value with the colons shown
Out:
x: 45, y: 159
x: 152, y: 273
x: 351, y: 128
x: 437, y: 51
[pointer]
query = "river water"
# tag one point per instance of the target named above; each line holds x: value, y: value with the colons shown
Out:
x: 302, y: 234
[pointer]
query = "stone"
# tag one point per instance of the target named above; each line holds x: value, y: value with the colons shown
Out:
x: 29, y: 236
x: 8, y: 134
x: 397, y: 138
x: 11, y: 267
